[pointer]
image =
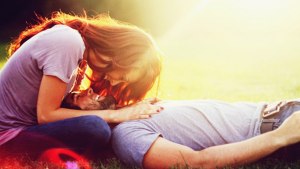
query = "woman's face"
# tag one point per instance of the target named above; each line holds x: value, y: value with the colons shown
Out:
x: 123, y: 76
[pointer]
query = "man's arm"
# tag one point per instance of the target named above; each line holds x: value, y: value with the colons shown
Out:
x: 163, y: 153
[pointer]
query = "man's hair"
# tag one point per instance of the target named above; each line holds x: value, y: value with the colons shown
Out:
x: 68, y: 102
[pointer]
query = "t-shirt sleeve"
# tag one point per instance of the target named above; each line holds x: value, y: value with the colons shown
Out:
x: 57, y: 51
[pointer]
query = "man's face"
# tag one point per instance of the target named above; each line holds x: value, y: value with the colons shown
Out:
x: 88, y: 100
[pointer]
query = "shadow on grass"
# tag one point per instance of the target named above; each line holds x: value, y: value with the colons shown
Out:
x: 114, y: 163
x: 265, y: 164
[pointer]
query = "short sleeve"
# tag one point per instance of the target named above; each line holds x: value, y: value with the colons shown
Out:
x: 57, y: 51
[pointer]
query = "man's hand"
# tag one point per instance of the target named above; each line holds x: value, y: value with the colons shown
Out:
x: 288, y: 133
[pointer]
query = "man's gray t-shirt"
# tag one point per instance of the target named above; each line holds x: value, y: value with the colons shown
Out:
x: 197, y: 124
x: 56, y: 52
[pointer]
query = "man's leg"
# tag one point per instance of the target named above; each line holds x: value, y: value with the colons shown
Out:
x: 85, y: 135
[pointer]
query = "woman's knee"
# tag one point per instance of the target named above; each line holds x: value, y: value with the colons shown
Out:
x: 94, y: 128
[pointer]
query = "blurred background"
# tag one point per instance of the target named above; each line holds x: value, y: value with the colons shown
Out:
x: 231, y: 50
x: 156, y: 16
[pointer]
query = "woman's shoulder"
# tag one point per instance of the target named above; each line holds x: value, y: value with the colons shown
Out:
x: 61, y: 35
x: 59, y: 43
x: 61, y: 29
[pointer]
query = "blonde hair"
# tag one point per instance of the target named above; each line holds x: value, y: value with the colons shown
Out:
x: 116, y: 45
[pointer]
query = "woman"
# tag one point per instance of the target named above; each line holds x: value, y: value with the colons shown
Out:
x: 42, y: 68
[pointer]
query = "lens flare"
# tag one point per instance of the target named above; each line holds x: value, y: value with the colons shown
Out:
x: 64, y: 158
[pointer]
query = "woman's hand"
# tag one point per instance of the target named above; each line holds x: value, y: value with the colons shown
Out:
x: 288, y: 133
x: 152, y: 100
x: 141, y: 110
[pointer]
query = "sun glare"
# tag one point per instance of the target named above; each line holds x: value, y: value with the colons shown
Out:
x: 261, y: 4
x: 85, y: 83
x: 235, y: 28
x: 261, y: 8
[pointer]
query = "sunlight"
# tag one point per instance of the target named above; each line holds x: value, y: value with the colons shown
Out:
x: 184, y: 21
x: 265, y: 5
x: 85, y: 83
x: 262, y: 9
x: 222, y: 38
x: 235, y: 28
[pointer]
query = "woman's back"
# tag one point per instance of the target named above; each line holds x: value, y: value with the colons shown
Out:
x: 55, y: 52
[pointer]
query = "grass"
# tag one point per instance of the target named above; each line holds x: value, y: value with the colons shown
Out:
x: 3, y: 53
x: 114, y: 163
x: 231, y: 79
x: 261, y: 78
x: 13, y: 163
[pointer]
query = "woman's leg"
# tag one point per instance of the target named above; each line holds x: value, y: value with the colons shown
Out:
x: 85, y: 135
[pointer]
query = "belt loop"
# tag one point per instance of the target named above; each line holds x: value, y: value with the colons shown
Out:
x: 270, y: 120
x: 271, y: 110
x: 270, y: 115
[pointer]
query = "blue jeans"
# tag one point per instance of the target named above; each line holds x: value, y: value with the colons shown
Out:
x: 86, y: 135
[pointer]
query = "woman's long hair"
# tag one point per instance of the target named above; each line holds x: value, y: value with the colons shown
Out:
x: 116, y: 45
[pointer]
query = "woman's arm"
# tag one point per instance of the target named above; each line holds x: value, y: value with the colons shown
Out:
x: 233, y: 154
x: 52, y: 92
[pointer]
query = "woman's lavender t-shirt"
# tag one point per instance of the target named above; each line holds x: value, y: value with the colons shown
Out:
x: 56, y: 52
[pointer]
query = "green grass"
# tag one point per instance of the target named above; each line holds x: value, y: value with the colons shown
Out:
x: 14, y: 163
x: 3, y: 53
x: 114, y: 163
x: 231, y: 79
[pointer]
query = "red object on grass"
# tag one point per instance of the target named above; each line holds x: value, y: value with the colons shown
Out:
x: 65, y: 158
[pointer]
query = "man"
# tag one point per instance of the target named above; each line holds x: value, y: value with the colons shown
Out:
x: 207, y: 134
x: 88, y: 100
